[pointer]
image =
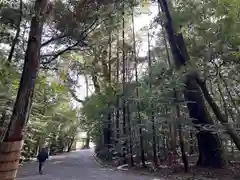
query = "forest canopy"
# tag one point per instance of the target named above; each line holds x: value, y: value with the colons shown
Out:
x: 166, y: 90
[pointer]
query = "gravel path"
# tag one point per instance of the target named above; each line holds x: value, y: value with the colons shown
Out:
x: 79, y: 165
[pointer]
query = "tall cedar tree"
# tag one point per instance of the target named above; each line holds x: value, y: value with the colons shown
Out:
x: 22, y: 107
x: 118, y: 100
x: 123, y: 86
x: 154, y: 143
x: 210, y: 149
x: 142, y: 153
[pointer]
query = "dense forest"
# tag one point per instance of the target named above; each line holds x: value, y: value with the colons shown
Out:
x: 166, y: 93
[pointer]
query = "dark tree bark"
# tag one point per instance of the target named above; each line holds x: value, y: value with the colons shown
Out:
x: 181, y: 138
x: 94, y: 76
x: 210, y: 148
x: 107, y: 133
x: 182, y: 147
x: 192, y: 143
x: 124, y: 129
x: 70, y: 144
x: 228, y: 111
x: 130, y: 143
x: 109, y: 84
x: 231, y: 132
x: 87, y: 143
x: 224, y: 106
x: 15, y: 40
x: 118, y: 100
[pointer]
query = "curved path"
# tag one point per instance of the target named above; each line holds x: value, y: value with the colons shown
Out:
x: 79, y: 165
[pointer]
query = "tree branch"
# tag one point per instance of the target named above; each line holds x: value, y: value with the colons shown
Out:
x: 83, y: 37
x: 60, y: 53
x: 231, y: 131
x: 75, y: 96
x: 52, y: 39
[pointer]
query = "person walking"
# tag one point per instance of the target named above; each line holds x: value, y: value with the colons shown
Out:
x: 42, y: 157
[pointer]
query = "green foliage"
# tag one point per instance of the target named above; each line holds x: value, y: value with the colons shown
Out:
x: 79, y: 35
x: 52, y: 121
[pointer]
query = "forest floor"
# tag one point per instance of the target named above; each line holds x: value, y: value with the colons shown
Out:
x: 195, y: 173
x: 82, y: 165
x: 176, y: 172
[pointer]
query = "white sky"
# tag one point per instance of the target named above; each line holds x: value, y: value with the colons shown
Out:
x: 139, y: 22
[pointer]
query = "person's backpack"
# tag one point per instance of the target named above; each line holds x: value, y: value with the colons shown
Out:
x: 42, y: 156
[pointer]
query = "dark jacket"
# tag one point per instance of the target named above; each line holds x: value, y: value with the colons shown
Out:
x: 42, y: 156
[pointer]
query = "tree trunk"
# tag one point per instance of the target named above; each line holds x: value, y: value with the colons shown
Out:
x: 70, y: 144
x: 87, y: 144
x: 229, y: 93
x: 137, y: 95
x: 94, y: 76
x: 210, y: 149
x: 225, y: 106
x: 181, y: 138
x: 154, y: 146
x: 107, y: 133
x: 11, y: 147
x: 192, y: 143
x: 231, y: 131
x: 130, y: 143
x: 109, y: 84
x: 15, y: 40
x: 123, y: 87
x: 118, y: 99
